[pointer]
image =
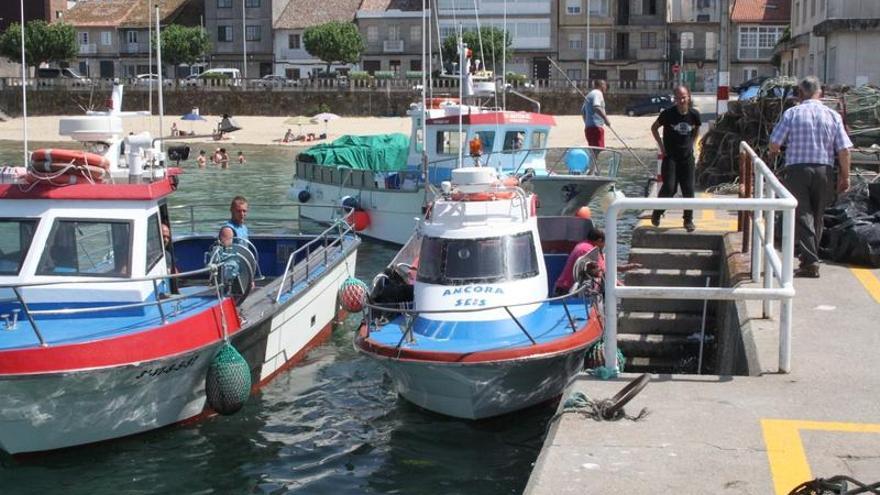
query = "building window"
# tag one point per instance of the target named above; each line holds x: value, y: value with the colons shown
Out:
x: 687, y: 40
x: 649, y: 7
x: 573, y: 7
x: 415, y: 65
x: 84, y: 68
x: 224, y: 33
x: 83, y: 37
x: 652, y: 74
x: 293, y: 74
x: 372, y: 34
x: 59, y: 14
x: 106, y: 38
x: 253, y: 33
x: 597, y: 47
x: 648, y: 41
x: 574, y: 74
x: 415, y: 33
x: 757, y: 42
x: 252, y: 4
x: 224, y: 4
x: 132, y: 36
x: 575, y: 42
x: 711, y: 45
x: 599, y: 7
x: 795, y: 13
x: 393, y: 33
x: 293, y: 41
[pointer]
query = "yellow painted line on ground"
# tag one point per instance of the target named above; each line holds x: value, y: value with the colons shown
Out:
x: 869, y: 281
x: 785, y: 451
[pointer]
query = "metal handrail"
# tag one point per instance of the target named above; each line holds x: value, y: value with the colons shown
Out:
x: 486, y: 157
x: 193, y: 221
x: 777, y: 198
x: 342, y: 227
x: 29, y: 313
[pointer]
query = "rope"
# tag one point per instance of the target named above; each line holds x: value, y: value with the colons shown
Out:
x: 597, y: 410
x: 835, y: 485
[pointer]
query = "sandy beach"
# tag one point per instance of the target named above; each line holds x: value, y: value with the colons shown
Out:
x: 635, y: 131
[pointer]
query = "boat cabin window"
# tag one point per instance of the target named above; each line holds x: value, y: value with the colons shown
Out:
x: 15, y: 241
x: 155, y: 249
x: 99, y: 248
x: 514, y: 140
x: 448, y: 142
x: 470, y: 261
x: 487, y: 138
x: 539, y: 140
x: 420, y: 140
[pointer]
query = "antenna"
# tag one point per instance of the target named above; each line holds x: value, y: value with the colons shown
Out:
x: 24, y: 89
x: 159, y: 67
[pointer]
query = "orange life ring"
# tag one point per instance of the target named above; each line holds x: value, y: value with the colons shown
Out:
x: 482, y: 196
x: 66, y: 157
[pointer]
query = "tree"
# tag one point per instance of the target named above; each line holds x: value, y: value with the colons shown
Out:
x: 334, y: 42
x: 184, y: 45
x: 494, y: 43
x: 43, y: 43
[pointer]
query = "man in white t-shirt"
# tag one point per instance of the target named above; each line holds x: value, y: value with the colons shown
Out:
x: 594, y: 114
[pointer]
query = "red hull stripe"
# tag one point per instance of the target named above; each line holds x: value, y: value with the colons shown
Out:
x: 493, y: 118
x: 588, y: 334
x: 175, y: 338
x: 132, y: 192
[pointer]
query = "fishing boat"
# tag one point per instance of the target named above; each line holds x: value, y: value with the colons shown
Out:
x: 463, y: 320
x: 389, y: 179
x: 107, y: 331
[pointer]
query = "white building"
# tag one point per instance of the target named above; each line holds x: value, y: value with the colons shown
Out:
x: 291, y: 58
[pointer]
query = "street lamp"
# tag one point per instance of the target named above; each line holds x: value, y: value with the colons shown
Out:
x: 243, y: 39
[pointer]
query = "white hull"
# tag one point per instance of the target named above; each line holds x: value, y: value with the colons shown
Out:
x: 483, y: 390
x: 53, y: 411
x: 393, y: 213
x: 563, y: 194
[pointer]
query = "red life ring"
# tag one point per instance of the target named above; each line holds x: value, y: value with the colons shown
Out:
x: 439, y: 102
x: 483, y: 196
x: 359, y: 219
x: 66, y: 157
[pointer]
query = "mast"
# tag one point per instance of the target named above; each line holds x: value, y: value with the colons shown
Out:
x: 24, y: 89
x: 159, y: 69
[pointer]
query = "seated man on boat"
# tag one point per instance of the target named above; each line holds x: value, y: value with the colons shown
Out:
x: 595, y: 240
x: 238, y: 210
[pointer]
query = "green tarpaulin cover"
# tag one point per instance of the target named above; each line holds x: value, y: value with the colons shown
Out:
x: 379, y: 153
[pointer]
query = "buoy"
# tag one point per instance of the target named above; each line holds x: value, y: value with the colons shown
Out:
x: 359, y: 220
x: 350, y: 202
x: 611, y: 196
x: 476, y: 146
x: 304, y: 196
x: 584, y: 212
x: 228, y: 382
x: 353, y: 295
x: 577, y: 160
x: 510, y: 182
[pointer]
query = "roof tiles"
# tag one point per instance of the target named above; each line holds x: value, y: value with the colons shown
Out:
x: 761, y: 11
x: 300, y: 14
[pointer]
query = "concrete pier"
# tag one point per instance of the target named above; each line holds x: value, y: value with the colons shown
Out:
x: 741, y: 434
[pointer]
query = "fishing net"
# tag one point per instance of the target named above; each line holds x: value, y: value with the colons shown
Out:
x: 228, y: 382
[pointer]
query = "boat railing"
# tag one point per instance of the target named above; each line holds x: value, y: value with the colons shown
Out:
x: 769, y: 197
x: 600, y: 161
x: 585, y: 291
x: 160, y: 299
x: 262, y: 217
x: 321, y: 246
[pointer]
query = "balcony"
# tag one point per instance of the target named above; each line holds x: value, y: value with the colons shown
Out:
x: 693, y: 54
x: 392, y: 46
x: 88, y: 49
x: 134, y: 48
x: 599, y: 53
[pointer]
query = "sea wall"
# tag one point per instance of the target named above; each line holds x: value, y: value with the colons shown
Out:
x: 273, y: 102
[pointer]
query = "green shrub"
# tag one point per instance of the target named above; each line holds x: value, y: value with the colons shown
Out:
x: 515, y: 78
x: 358, y: 75
x: 413, y: 74
x: 214, y: 75
x: 383, y: 74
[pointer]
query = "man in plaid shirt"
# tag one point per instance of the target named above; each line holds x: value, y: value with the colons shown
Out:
x: 813, y: 135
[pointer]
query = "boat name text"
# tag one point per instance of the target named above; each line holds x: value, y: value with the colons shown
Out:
x: 473, y: 289
x: 171, y: 368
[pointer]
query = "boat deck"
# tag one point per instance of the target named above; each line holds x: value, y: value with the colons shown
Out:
x: 740, y: 434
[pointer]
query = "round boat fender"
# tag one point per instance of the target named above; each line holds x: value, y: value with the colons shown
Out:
x: 304, y: 196
x: 350, y: 203
x: 359, y: 220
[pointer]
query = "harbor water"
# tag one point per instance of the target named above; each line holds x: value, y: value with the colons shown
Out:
x: 332, y: 424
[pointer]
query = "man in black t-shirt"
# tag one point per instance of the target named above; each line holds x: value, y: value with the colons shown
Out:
x: 681, y: 126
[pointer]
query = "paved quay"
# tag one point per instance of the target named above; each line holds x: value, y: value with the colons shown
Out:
x: 741, y: 434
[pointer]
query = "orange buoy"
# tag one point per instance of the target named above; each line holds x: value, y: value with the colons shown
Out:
x: 510, y: 182
x: 68, y: 157
x: 584, y: 212
x: 359, y: 220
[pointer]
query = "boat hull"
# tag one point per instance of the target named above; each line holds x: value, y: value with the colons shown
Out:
x: 483, y: 390
x: 562, y: 195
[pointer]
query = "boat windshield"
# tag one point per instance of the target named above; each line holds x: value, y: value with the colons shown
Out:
x: 15, y: 240
x: 469, y: 261
x: 92, y: 248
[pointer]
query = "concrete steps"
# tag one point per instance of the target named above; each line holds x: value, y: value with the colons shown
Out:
x: 657, y: 335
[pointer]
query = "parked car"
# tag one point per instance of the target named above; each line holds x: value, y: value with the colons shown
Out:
x: 144, y: 80
x: 273, y: 81
x: 650, y: 105
x: 62, y: 73
x: 755, y: 81
x: 233, y: 75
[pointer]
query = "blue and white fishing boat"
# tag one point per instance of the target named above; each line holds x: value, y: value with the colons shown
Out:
x: 390, y: 179
x: 463, y: 319
x: 106, y: 331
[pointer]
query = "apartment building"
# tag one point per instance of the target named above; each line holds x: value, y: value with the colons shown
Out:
x: 113, y: 35
x: 756, y: 27
x: 10, y: 11
x: 291, y: 57
x: 241, y: 33
x: 693, y: 41
x: 392, y: 33
x: 531, y: 24
x: 640, y: 42
x: 851, y: 34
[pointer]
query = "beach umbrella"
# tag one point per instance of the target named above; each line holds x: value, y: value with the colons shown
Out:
x: 298, y: 121
x: 324, y: 117
x: 192, y: 116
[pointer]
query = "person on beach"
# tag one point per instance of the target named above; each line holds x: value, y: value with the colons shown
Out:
x: 288, y: 136
x: 593, y: 112
x: 174, y: 131
x: 813, y: 135
x: 595, y: 240
x: 241, y: 159
x: 202, y: 160
x: 681, y: 126
x: 238, y: 211
x: 224, y: 158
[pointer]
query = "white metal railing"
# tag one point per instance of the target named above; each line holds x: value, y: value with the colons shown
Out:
x: 770, y: 196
